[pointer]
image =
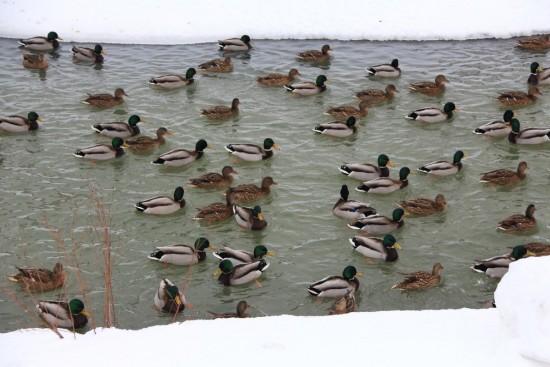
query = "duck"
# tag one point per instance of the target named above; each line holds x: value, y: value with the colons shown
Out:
x: 538, y: 76
x: 235, y: 44
x: 368, y: 171
x: 229, y: 274
x: 182, y: 157
x: 497, y: 266
x: 35, y: 61
x: 344, y: 304
x: 251, y: 152
x: 251, y: 192
x: 519, y: 222
x: 386, y: 185
x: 373, y: 96
x: 351, y: 209
x: 391, y: 70
x: 537, y: 43
x: 308, y: 88
x: 217, y: 66
x: 182, y: 254
x: 499, y: 128
x: 342, y: 113
x: 420, y: 279
x: 380, y: 224
x: 173, y: 81
x: 433, y: 114
x: 241, y: 313
x: 519, y: 98
x: 105, y: 100
x: 67, y: 315
x: 532, y: 135
x: 430, y: 88
x: 278, y: 80
x: 38, y: 43
x: 337, y: 128
x: 39, y: 279
x: 444, y: 168
x: 145, y: 143
x: 216, y: 212
x: 89, y: 54
x: 504, y: 176
x: 536, y: 249
x: 102, y: 152
x: 422, y: 206
x: 315, y: 55
x: 162, y: 205
x: 222, y: 112
x: 169, y: 298
x: 119, y: 129
x: 20, y: 124
x: 250, y: 218
x: 336, y: 286
x: 238, y: 257
x: 376, y: 248
x: 214, y: 180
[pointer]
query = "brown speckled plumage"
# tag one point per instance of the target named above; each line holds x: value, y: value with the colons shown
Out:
x: 421, y: 279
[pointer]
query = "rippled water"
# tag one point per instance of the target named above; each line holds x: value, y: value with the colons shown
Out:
x: 42, y: 180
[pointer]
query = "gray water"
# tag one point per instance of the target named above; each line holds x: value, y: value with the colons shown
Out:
x: 41, y: 180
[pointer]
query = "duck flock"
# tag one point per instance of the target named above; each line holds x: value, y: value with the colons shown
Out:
x: 376, y: 234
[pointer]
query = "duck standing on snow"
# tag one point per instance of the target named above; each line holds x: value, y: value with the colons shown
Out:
x: 420, y: 279
x: 182, y: 254
x: 162, y: 205
x: 335, y: 285
x: 39, y: 43
x: 351, y: 209
x: 315, y: 55
x: 119, y: 129
x: 444, y: 168
x: 497, y: 129
x: 432, y: 114
x: 251, y: 152
x: 20, y: 124
x: 173, y: 81
x: 308, y: 88
x: 368, y: 171
x: 182, y: 157
x: 519, y: 222
x: 337, y: 129
x: 504, y: 176
x: 235, y: 44
x: 169, y: 298
x: 88, y: 54
x: 391, y: 70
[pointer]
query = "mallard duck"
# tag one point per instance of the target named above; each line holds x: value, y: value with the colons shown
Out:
x: 351, y: 209
x: 422, y: 206
x: 337, y: 129
x: 241, y: 312
x: 216, y: 212
x: 105, y: 100
x: 380, y: 224
x: 214, y: 180
x: 342, y: 113
x: 88, y: 54
x: 38, y: 43
x: 497, y: 129
x: 146, y: 143
x: 444, y: 168
x: 430, y: 88
x: 504, y: 176
x: 315, y: 55
x: 39, y: 279
x: 35, y: 61
x: 538, y: 76
x: 497, y: 266
x: 532, y: 135
x: 344, y: 304
x: 182, y: 157
x: 519, y: 98
x: 68, y: 315
x: 432, y: 114
x: 537, y: 43
x: 519, y: 222
x: 385, y: 70
x: 308, y: 88
x: 376, y: 248
x: 217, y: 66
x: 278, y: 80
x: 235, y: 44
x: 230, y: 274
x: 251, y: 152
x: 173, y: 81
x: 161, y: 205
x: 119, y: 129
x: 182, y: 254
x: 335, y: 285
x: 238, y: 257
x: 420, y: 279
x: 373, y: 96
x: 102, y: 152
x: 169, y: 298
x: 251, y: 218
x: 386, y: 185
x: 20, y: 124
x: 222, y: 112
x: 368, y: 171
x: 251, y: 192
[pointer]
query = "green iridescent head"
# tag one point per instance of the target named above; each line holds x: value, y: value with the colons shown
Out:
x: 178, y: 193
x: 404, y: 173
x: 32, y: 116
x: 76, y: 306
x: 260, y: 251
x: 458, y: 156
x: 190, y: 73
x: 52, y: 36
x: 226, y: 266
x: 98, y: 49
x: 117, y: 142
x: 133, y: 120
x: 349, y: 272
x: 398, y: 214
x: 350, y: 121
x: 201, y: 145
x: 320, y: 81
x: 201, y: 244
x: 449, y: 107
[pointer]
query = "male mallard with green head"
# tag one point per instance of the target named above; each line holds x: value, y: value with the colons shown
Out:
x: 20, y: 124
x: 68, y: 315
x: 420, y: 279
x: 391, y: 70
x: 182, y: 157
x: 250, y: 218
x: 146, y: 144
x: 335, y: 285
x: 173, y: 81
x: 368, y: 171
x: 422, y: 206
x: 532, y: 135
x: 40, y: 280
x: 251, y: 152
x: 386, y: 185
x: 278, y: 80
x: 315, y: 55
x: 497, y: 129
x: 519, y: 222
x: 119, y: 129
x: 222, y: 112
x: 342, y: 113
x: 169, y: 298
x: 497, y: 266
x: 308, y: 88
x: 351, y: 209
x: 235, y: 44
x: 238, y: 257
x: 337, y: 128
x: 444, y: 168
x: 380, y: 224
x: 538, y: 76
x: 39, y: 43
x: 88, y: 54
x: 162, y: 205
x: 376, y: 248
x: 182, y: 254
x: 504, y: 176
x: 432, y: 114
x: 229, y: 274
x: 373, y: 96
x: 105, y: 100
x: 102, y: 152
x: 430, y: 88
